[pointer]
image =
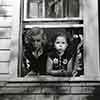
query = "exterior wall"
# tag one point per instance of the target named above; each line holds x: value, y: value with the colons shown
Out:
x: 6, y: 14
x: 9, y: 36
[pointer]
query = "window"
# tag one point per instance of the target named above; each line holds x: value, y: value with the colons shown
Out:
x: 35, y: 62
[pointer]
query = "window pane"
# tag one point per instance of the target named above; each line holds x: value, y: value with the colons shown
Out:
x: 34, y: 8
x: 54, y: 8
x: 73, y: 9
x: 62, y: 8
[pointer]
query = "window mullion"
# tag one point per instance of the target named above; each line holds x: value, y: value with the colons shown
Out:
x: 43, y: 8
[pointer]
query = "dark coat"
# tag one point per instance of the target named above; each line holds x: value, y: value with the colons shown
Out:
x: 37, y: 65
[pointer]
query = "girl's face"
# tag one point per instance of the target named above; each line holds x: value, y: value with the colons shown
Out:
x: 60, y: 44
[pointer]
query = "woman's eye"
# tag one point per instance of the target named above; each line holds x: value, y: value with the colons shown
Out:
x: 33, y: 40
x: 38, y: 40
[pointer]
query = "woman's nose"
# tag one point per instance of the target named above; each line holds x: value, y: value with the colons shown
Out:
x: 35, y: 42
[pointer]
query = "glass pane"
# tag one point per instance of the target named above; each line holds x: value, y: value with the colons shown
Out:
x: 54, y: 8
x: 34, y: 9
x: 61, y: 8
x: 73, y: 9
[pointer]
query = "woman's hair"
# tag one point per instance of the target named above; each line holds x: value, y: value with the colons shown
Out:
x: 34, y: 32
x: 27, y: 37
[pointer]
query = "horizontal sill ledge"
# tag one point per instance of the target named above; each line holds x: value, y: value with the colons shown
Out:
x: 53, y: 19
x: 51, y: 79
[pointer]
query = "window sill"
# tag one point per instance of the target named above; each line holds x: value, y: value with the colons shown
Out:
x: 54, y: 19
x: 45, y: 78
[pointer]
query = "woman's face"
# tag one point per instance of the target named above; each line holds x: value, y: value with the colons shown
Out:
x: 37, y: 41
x: 60, y: 44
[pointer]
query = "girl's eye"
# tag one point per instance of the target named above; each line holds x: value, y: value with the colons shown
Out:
x: 57, y: 42
x: 63, y: 42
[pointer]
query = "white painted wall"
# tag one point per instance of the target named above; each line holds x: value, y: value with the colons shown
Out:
x: 9, y: 37
x: 91, y: 36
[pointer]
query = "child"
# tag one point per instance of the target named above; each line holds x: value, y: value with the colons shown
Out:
x: 59, y: 63
x: 35, y: 51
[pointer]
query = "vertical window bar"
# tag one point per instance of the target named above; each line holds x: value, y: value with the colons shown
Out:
x: 25, y: 9
x: 81, y: 8
x: 44, y: 9
x: 73, y: 8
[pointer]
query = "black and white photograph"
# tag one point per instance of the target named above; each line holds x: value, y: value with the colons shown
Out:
x: 49, y: 50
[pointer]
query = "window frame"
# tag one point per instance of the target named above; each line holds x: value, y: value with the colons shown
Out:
x: 67, y: 22
x: 26, y: 23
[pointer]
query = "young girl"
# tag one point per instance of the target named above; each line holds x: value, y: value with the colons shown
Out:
x: 59, y: 62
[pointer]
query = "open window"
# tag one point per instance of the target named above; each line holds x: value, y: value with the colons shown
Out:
x: 33, y: 65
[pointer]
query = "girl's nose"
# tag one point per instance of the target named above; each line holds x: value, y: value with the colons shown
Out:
x: 60, y: 45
